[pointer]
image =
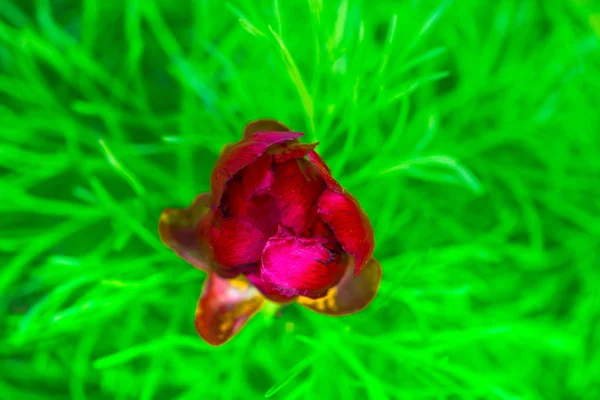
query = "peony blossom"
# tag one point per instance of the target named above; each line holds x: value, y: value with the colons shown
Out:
x: 277, y: 227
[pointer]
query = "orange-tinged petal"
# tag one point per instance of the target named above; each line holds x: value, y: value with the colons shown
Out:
x: 224, y: 307
x: 350, y: 295
x: 178, y: 229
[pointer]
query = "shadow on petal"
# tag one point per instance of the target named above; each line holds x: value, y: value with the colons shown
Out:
x: 224, y: 307
x: 351, y: 295
x: 178, y: 229
x: 264, y: 125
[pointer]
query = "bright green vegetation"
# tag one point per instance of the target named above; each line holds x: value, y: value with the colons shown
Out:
x: 469, y: 132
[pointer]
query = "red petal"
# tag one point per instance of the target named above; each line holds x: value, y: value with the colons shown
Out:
x: 350, y: 225
x: 273, y: 293
x: 351, y: 295
x: 235, y: 243
x: 295, y: 150
x: 224, y: 307
x: 178, y: 230
x: 320, y: 228
x: 296, y: 190
x: 299, y: 266
x: 261, y: 211
x: 325, y: 172
x: 257, y: 176
x: 241, y: 154
x: 264, y: 125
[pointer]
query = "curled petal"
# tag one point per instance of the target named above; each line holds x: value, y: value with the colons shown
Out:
x: 325, y: 172
x: 179, y: 230
x: 235, y: 243
x: 351, y: 295
x: 297, y: 266
x: 224, y: 307
x: 264, y: 125
x: 237, y: 156
x: 295, y: 150
x: 297, y: 189
x: 350, y: 225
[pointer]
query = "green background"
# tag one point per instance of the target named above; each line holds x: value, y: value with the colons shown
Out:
x: 468, y: 130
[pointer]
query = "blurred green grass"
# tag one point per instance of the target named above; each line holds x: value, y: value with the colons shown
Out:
x: 468, y: 131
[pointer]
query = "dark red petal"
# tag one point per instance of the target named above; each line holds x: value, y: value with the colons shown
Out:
x: 226, y: 273
x: 224, y: 307
x: 325, y: 172
x: 351, y: 295
x: 295, y: 150
x: 257, y: 176
x: 234, y: 203
x: 241, y: 154
x: 296, y: 190
x: 235, y: 243
x: 320, y: 228
x: 350, y: 225
x: 177, y: 229
x: 261, y: 211
x: 300, y: 266
x: 266, y: 213
x: 264, y: 125
x: 273, y: 293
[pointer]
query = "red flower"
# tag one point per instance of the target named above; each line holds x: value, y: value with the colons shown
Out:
x: 276, y: 225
